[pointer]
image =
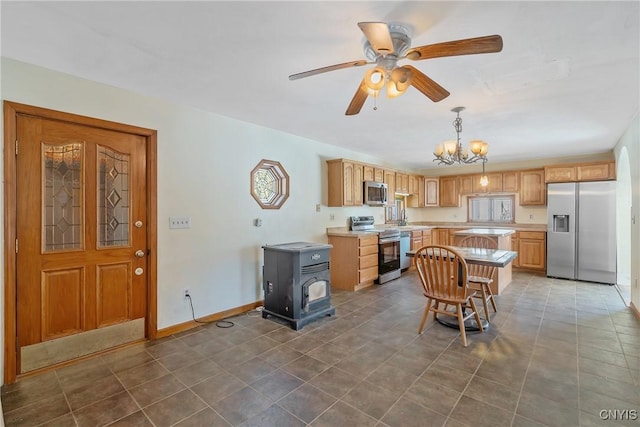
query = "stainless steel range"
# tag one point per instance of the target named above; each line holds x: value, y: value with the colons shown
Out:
x: 388, y: 246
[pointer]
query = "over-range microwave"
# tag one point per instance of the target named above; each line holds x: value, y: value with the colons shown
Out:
x: 375, y: 193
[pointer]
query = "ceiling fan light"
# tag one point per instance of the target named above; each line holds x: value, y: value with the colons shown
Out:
x: 485, y: 149
x: 374, y: 78
x: 402, y: 77
x: 484, y: 180
x: 439, y: 150
x: 393, y: 91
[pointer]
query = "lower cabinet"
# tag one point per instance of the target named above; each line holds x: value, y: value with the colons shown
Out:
x: 354, y: 261
x: 532, y: 250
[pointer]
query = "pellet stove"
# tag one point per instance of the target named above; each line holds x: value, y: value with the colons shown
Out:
x: 297, y: 282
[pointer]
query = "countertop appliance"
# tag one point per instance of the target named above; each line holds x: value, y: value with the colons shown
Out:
x: 297, y: 282
x: 388, y: 247
x: 581, y: 231
x: 375, y: 193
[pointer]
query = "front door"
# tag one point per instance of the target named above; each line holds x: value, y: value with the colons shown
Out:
x: 81, y: 240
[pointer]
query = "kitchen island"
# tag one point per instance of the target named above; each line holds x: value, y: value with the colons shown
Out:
x: 502, y: 237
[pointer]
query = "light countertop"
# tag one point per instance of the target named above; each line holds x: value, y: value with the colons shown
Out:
x: 485, y: 232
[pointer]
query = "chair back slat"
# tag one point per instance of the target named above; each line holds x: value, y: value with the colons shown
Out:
x: 483, y: 242
x: 442, y: 271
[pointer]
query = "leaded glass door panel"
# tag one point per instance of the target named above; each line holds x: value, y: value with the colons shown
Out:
x: 80, y: 284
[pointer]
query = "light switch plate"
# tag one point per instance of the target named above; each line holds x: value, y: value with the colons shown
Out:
x: 180, y: 222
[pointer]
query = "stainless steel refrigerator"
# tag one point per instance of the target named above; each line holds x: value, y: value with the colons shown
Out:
x: 581, y: 231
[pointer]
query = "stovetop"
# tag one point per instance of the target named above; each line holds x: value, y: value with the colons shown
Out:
x: 365, y: 223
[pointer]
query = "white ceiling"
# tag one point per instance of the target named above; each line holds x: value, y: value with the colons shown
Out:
x: 566, y: 82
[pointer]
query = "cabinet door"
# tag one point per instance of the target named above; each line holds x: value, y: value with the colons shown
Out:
x: 532, y: 187
x: 510, y: 182
x: 378, y: 175
x: 449, y: 191
x: 431, y: 192
x: 367, y: 173
x: 390, y: 180
x: 357, y: 184
x: 347, y: 184
x: 466, y: 184
x: 514, y: 247
x: 414, y: 181
x: 596, y: 172
x: 426, y: 238
x: 560, y: 174
x: 416, y: 240
x: 531, y: 253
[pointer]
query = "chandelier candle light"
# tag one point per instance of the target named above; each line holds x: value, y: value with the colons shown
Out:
x: 451, y: 152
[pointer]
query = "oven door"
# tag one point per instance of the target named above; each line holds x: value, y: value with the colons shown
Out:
x: 388, y: 255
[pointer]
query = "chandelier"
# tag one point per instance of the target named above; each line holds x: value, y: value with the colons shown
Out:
x: 450, y: 152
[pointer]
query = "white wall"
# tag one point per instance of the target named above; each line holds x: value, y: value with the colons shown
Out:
x: 204, y: 163
x: 631, y: 142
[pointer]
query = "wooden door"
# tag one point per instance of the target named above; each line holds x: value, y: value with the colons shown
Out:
x: 81, y: 239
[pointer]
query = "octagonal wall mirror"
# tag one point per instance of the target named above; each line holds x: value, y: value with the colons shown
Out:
x: 269, y: 184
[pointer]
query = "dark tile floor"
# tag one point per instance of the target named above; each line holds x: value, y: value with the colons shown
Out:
x: 557, y: 354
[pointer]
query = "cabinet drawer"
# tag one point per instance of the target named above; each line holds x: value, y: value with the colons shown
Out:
x: 367, y: 274
x: 368, y: 261
x: 368, y: 250
x: 537, y: 235
x: 368, y: 240
x: 416, y: 234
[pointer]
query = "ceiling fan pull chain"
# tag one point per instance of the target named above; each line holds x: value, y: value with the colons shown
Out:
x: 375, y: 101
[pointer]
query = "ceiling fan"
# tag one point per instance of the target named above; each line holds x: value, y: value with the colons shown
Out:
x: 389, y: 43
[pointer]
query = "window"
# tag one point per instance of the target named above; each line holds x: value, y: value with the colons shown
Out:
x: 499, y: 209
x: 269, y: 184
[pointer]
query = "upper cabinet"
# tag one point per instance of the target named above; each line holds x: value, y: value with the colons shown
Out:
x: 367, y: 173
x: 402, y: 183
x: 449, y: 191
x: 431, y: 189
x: 510, y: 182
x: 596, y: 171
x: 532, y: 187
x: 390, y: 180
x: 414, y: 184
x: 345, y: 183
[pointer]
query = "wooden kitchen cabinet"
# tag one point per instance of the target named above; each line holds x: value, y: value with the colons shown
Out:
x: 402, y: 183
x: 495, y: 183
x: 390, y: 180
x: 560, y: 174
x: 533, y: 189
x: 354, y: 261
x: 345, y: 183
x: 441, y: 236
x: 596, y: 171
x: 367, y: 173
x: 531, y: 250
x: 431, y: 189
x: 514, y: 247
x: 378, y: 175
x: 466, y: 184
x: 449, y: 191
x: 510, y: 181
x: 416, y: 239
x: 414, y: 184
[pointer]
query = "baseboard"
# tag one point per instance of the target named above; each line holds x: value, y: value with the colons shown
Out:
x: 181, y: 327
x: 635, y: 310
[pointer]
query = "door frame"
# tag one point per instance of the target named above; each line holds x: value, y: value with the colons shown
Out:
x: 11, y: 111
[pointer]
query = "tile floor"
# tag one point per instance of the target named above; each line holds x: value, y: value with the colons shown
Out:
x: 557, y: 353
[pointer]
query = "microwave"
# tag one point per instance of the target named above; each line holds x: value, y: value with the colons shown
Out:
x: 375, y: 193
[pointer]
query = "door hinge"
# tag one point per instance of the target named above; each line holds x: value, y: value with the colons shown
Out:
x: 16, y: 147
x: 16, y: 245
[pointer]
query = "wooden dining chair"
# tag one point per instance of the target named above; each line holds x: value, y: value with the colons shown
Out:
x: 481, y: 276
x: 443, y: 275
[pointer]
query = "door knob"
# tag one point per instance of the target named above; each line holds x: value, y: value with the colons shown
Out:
x: 139, y: 253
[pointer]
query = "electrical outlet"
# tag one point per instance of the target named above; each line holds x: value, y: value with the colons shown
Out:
x: 332, y: 217
x: 180, y: 222
x: 318, y: 207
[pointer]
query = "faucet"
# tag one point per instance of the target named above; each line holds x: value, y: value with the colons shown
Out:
x: 403, y: 218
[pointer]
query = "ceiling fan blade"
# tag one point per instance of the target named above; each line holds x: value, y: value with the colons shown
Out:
x: 329, y: 68
x: 357, y: 101
x: 378, y: 35
x: 428, y: 87
x: 486, y: 44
